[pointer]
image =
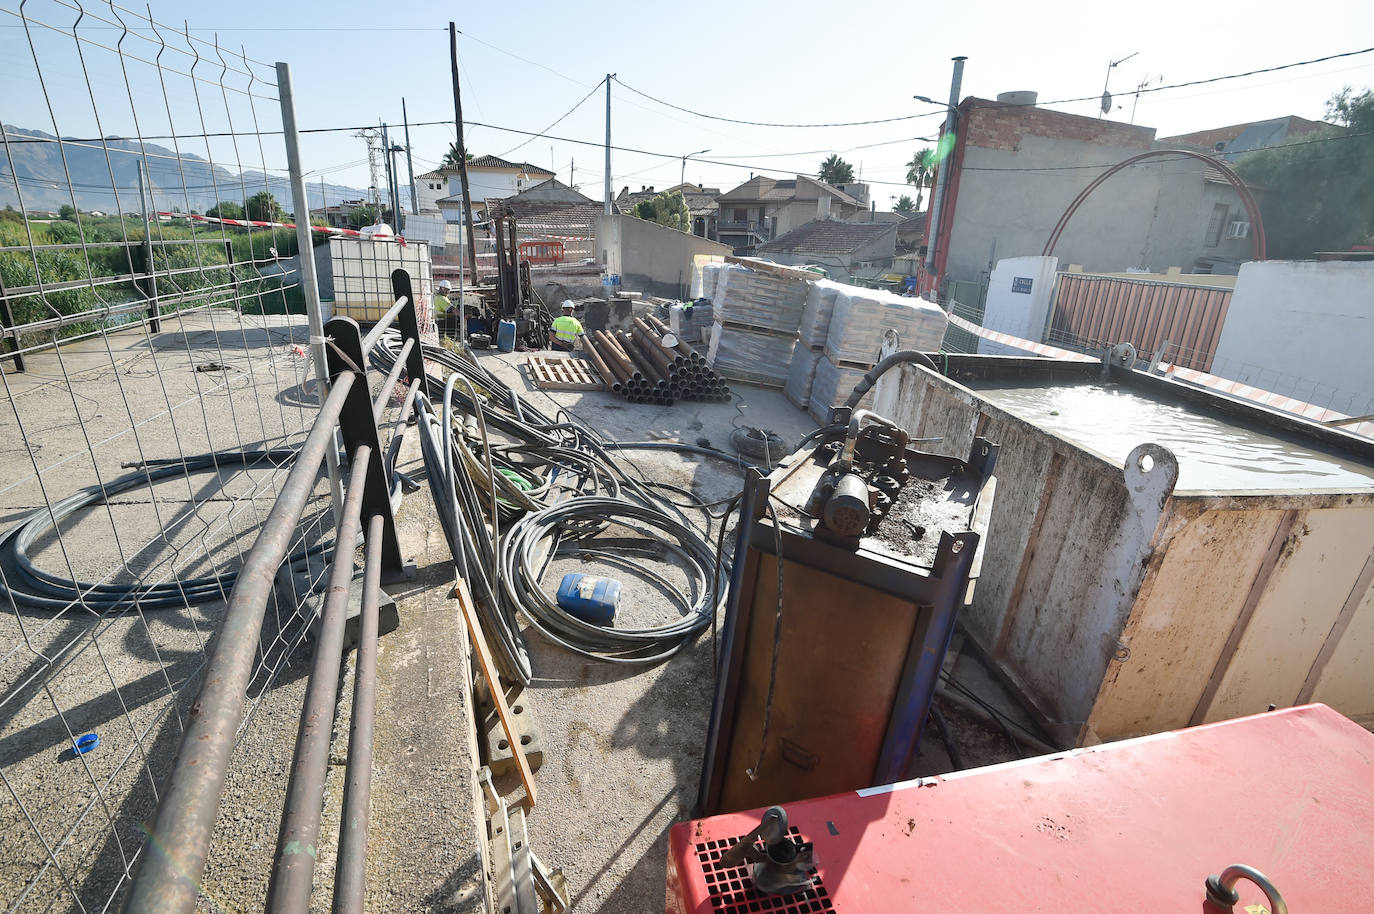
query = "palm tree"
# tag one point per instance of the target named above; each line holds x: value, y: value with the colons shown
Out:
x: 921, y: 172
x: 835, y: 170
x: 904, y: 205
x: 451, y: 159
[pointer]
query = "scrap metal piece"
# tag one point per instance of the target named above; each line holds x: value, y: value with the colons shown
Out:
x: 522, y: 871
x: 551, y: 886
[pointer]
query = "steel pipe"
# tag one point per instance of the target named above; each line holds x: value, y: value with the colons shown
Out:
x: 173, y: 858
x: 288, y: 891
x: 388, y: 385
x: 383, y: 325
x: 351, y: 868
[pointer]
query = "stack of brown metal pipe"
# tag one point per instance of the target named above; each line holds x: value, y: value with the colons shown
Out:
x: 642, y: 369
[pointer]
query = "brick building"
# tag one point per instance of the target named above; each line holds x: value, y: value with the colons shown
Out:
x: 1016, y: 167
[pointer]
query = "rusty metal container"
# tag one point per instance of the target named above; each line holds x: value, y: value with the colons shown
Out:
x: 1131, y: 588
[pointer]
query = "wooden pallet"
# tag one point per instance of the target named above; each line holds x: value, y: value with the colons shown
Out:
x: 564, y: 373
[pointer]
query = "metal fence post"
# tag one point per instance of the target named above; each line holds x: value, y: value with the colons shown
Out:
x: 145, y: 192
x: 306, y: 254
x: 7, y: 314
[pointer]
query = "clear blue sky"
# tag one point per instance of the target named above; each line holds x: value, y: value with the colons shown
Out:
x: 525, y: 64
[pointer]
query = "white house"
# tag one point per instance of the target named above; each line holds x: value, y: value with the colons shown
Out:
x: 489, y: 177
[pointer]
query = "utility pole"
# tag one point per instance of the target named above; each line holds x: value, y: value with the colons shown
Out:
x: 410, y: 164
x: 462, y: 150
x: 942, y: 180
x: 609, y: 77
x: 390, y: 181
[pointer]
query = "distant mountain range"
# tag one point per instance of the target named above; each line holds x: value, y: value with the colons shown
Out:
x: 188, y: 182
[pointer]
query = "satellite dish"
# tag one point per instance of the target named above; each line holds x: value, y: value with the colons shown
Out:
x: 1106, y: 102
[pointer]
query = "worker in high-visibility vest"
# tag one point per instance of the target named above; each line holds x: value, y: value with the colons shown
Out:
x: 441, y: 302
x: 565, y: 330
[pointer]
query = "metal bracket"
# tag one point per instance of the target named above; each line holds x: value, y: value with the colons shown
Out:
x: 357, y: 427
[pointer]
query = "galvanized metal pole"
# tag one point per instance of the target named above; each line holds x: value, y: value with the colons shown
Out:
x: 309, y: 281
x: 609, y: 77
x: 937, y: 199
x: 410, y: 164
x: 149, y: 281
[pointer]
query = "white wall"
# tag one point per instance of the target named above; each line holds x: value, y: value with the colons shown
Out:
x: 1307, y: 320
x: 1021, y: 314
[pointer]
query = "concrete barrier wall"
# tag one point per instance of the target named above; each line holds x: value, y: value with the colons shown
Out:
x: 651, y: 258
x: 1303, y: 329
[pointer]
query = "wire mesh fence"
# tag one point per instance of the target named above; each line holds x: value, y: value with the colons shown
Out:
x: 155, y: 376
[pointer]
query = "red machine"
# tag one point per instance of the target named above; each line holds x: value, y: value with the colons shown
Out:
x: 1138, y: 825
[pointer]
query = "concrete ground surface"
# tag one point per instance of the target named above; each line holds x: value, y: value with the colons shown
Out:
x: 622, y: 744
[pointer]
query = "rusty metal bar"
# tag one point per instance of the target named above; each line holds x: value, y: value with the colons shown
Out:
x: 297, y: 842
x: 351, y: 867
x: 173, y: 858
x: 383, y: 324
x: 379, y: 405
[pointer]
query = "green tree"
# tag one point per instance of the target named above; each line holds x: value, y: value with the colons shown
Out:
x: 67, y: 211
x: 263, y: 207
x: 668, y: 208
x: 360, y: 216
x: 1318, y: 194
x: 905, y: 205
x: 451, y: 159
x: 835, y: 170
x: 921, y: 172
x: 225, y: 209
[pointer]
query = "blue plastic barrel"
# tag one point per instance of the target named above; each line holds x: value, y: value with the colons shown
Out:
x: 505, y: 336
x: 589, y: 598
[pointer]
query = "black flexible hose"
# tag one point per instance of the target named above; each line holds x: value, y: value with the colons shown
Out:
x: 30, y: 586
x: 877, y: 371
x: 502, y: 573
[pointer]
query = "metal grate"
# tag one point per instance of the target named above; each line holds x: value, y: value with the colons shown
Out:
x: 732, y: 887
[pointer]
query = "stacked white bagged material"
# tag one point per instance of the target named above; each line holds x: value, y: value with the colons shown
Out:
x: 759, y: 298
x: 816, y: 313
x: 862, y: 316
x: 687, y: 320
x: 697, y: 282
x: 800, y: 375
x: 710, y: 279
x: 745, y: 355
x: 832, y: 387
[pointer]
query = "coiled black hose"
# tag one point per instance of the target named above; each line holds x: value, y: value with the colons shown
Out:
x: 30, y: 586
x: 497, y: 558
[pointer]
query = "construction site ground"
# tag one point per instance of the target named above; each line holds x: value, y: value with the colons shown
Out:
x: 621, y: 744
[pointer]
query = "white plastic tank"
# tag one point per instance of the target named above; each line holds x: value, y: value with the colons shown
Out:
x: 1022, y: 97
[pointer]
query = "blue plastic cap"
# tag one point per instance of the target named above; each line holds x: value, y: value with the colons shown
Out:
x: 86, y: 743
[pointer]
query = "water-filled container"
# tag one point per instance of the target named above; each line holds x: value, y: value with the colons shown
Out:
x: 1159, y: 555
x: 505, y: 336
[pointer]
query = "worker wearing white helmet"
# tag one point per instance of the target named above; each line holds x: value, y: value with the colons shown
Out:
x: 565, y: 330
x: 441, y: 302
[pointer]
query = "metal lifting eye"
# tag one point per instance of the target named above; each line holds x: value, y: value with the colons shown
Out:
x: 1221, y: 889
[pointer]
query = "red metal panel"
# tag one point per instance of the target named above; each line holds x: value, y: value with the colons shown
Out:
x: 1104, y: 310
x: 1130, y: 826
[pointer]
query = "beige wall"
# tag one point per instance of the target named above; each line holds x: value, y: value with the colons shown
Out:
x: 650, y: 258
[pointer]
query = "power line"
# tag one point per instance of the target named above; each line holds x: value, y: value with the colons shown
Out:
x: 1192, y: 82
x: 560, y: 120
x: 731, y: 120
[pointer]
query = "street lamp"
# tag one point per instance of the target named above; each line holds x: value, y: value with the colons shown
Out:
x: 682, y: 179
